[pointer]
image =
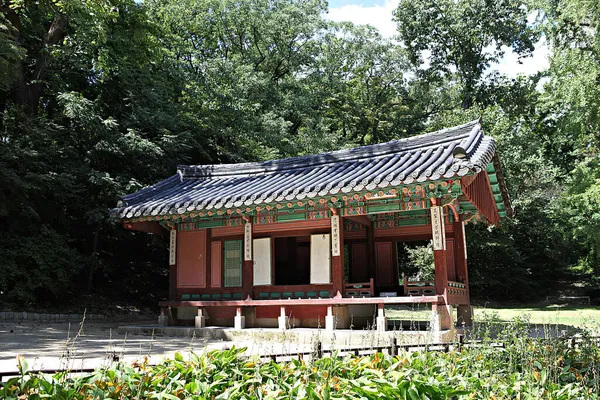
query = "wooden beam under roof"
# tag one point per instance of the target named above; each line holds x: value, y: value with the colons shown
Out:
x: 361, y: 219
x: 150, y: 227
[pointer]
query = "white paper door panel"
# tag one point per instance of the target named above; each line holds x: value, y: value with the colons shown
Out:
x: 262, y: 261
x: 320, y: 259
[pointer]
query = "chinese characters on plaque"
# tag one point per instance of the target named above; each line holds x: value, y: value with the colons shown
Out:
x: 247, y: 241
x: 173, y: 247
x: 335, y: 235
x: 437, y: 228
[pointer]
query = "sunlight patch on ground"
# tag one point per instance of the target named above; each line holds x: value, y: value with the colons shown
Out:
x: 581, y: 317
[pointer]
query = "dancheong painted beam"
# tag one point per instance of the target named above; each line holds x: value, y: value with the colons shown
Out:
x: 317, y: 236
x: 395, y: 176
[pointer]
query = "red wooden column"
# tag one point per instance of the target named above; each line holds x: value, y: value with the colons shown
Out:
x: 443, y: 311
x: 208, y: 258
x: 439, y: 251
x: 337, y: 253
x: 371, y: 249
x: 464, y: 311
x: 247, y: 263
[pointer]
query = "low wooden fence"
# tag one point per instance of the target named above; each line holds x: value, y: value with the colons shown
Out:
x: 319, y: 351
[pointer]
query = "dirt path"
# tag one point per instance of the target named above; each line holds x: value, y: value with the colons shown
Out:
x: 64, y: 345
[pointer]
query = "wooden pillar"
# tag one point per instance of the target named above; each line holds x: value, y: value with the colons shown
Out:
x: 247, y: 264
x: 464, y: 310
x: 439, y: 251
x: 460, y: 253
x: 173, y: 282
x: 442, y: 312
x: 337, y: 254
x: 371, y: 249
x: 208, y: 258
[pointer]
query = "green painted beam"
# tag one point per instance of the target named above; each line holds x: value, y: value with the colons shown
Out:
x: 210, y: 224
x: 412, y: 222
x: 290, y: 217
x: 413, y: 212
x: 493, y: 178
x: 379, y: 208
x: 490, y: 168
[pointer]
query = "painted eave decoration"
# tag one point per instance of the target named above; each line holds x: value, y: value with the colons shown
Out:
x: 459, y: 165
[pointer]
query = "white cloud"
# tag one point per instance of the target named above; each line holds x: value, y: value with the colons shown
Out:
x: 380, y: 16
x: 509, y: 64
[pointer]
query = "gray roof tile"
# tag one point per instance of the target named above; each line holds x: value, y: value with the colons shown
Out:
x: 415, y: 159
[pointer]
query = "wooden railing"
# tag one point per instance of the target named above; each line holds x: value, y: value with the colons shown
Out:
x: 457, y: 288
x: 274, y: 292
x: 362, y: 289
x: 419, y: 288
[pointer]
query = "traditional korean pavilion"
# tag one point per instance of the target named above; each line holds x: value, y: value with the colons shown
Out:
x: 312, y: 240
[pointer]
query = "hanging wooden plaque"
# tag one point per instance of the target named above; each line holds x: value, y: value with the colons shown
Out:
x: 335, y: 236
x: 173, y: 247
x: 464, y: 238
x: 247, y: 241
x: 437, y: 228
x: 443, y: 223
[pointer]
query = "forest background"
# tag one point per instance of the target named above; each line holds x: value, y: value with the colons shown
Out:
x: 99, y: 98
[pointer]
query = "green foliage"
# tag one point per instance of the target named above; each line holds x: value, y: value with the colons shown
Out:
x: 416, y: 260
x: 10, y: 53
x: 52, y: 264
x: 463, y: 37
x: 99, y: 98
x: 525, y: 368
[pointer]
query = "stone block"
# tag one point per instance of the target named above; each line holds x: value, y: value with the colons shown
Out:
x: 163, y: 320
x: 381, y: 323
x: 283, y: 322
x: 381, y: 320
x: 239, y: 322
x: 441, y: 321
x: 199, y: 321
x: 330, y: 322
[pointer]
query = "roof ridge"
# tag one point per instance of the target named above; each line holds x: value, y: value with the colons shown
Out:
x: 356, y: 153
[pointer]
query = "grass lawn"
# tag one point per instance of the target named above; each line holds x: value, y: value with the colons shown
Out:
x: 577, y: 316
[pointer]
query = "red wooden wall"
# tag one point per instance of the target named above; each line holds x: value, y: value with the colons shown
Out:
x: 191, y: 260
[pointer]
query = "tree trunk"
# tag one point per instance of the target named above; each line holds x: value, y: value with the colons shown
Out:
x: 28, y: 94
x: 92, y: 269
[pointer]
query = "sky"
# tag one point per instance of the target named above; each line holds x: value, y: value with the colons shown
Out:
x: 379, y: 14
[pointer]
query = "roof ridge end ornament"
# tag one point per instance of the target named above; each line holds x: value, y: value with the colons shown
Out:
x: 460, y: 151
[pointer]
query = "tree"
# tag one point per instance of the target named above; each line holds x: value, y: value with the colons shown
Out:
x: 462, y: 38
x: 571, y: 100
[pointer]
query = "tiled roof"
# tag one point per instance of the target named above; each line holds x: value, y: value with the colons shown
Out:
x: 416, y: 159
